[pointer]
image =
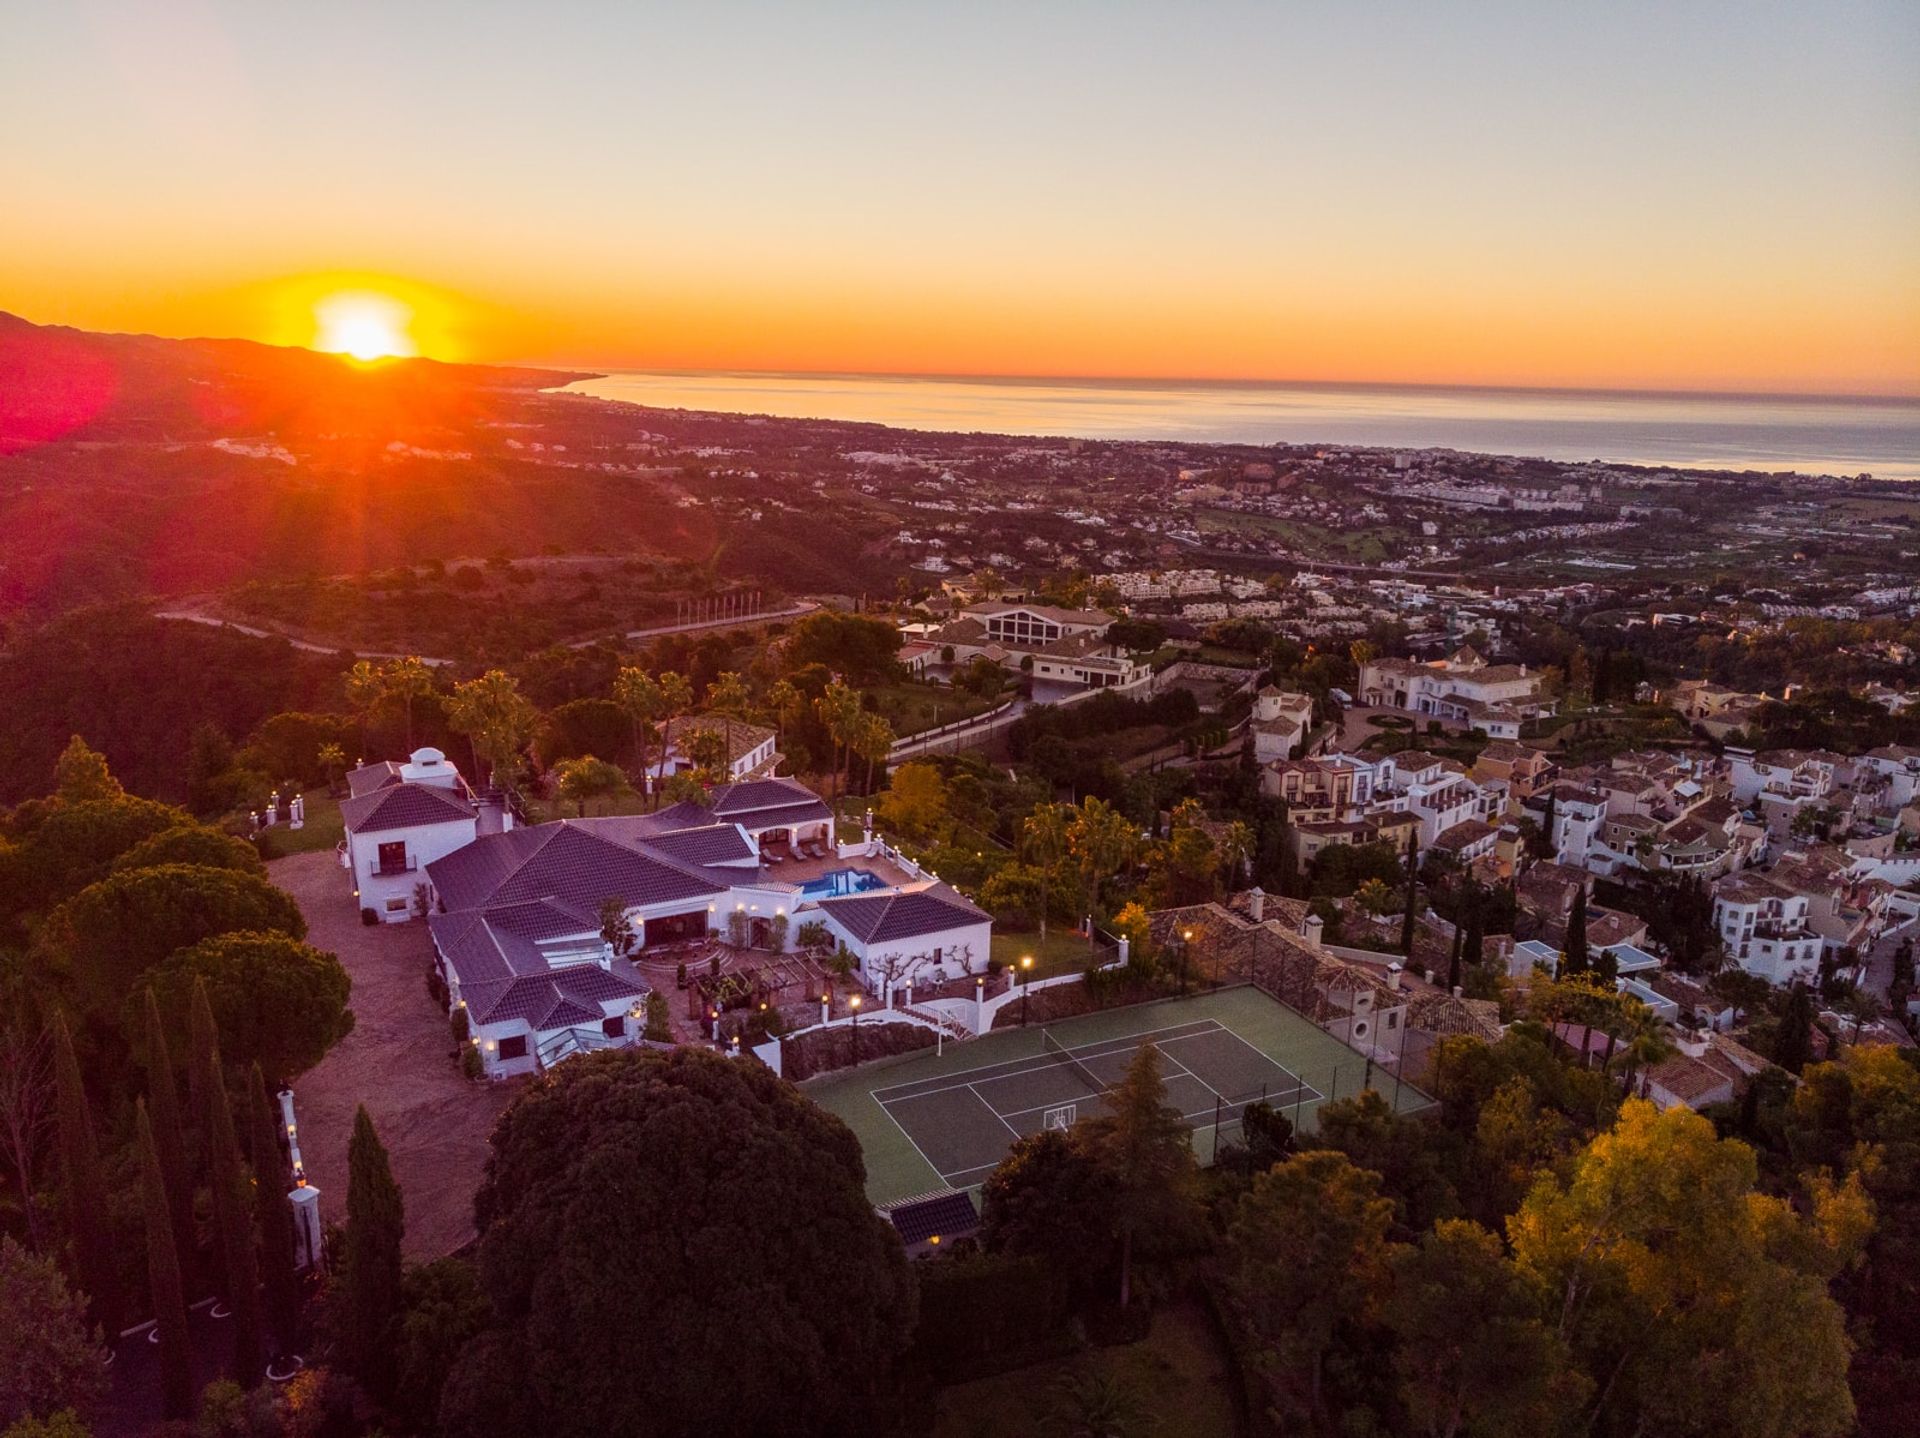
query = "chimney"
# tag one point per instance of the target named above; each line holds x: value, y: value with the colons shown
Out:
x: 1257, y: 904
x: 1393, y: 975
x: 1459, y: 991
x: 1312, y: 929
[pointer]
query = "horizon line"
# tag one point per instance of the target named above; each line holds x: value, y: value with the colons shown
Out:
x: 1193, y: 382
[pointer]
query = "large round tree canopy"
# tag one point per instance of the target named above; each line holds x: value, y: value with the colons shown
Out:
x: 678, y: 1243
x: 275, y: 1000
x: 110, y: 933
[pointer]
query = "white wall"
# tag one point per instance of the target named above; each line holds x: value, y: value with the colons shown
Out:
x: 425, y: 843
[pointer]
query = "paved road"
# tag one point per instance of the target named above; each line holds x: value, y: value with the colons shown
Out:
x: 194, y: 616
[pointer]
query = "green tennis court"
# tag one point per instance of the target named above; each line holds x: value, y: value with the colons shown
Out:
x: 927, y: 1122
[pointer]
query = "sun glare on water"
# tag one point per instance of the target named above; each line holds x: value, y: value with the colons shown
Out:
x: 363, y: 325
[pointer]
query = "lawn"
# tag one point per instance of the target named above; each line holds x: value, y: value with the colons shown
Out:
x: 1063, y: 952
x: 1177, y: 1375
x: 910, y: 706
x: 322, y: 830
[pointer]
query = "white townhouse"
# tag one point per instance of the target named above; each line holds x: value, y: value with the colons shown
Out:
x: 399, y: 818
x: 1280, y: 723
x: 1492, y: 698
x: 1764, y: 928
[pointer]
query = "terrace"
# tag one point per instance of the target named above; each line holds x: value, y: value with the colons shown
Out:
x: 813, y: 873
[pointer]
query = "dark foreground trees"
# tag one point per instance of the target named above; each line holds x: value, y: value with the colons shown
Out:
x: 678, y: 1243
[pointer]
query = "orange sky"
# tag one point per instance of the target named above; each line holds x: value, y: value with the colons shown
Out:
x: 1723, y: 198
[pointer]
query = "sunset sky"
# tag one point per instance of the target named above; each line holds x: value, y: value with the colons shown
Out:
x: 1676, y: 195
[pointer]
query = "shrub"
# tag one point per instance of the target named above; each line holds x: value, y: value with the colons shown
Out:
x: 368, y: 916
x: 659, y: 1030
x: 462, y: 1027
x: 471, y: 1064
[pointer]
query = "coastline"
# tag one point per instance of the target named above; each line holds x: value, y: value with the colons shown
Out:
x: 1827, y: 437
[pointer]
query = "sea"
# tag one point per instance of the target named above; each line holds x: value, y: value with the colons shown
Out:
x: 1817, y: 435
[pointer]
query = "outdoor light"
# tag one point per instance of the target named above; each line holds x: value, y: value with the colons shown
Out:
x: 854, y: 1002
x: 934, y: 1239
x: 1026, y: 961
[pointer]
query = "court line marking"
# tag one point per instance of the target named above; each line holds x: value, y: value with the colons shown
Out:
x: 994, y: 1111
x: 1015, y: 1068
x: 1299, y: 1080
x: 1184, y: 1072
x: 931, y: 1165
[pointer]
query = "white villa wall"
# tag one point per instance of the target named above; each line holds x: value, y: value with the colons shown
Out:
x: 425, y: 843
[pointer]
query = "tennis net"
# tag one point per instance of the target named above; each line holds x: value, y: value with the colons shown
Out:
x: 1064, y: 1056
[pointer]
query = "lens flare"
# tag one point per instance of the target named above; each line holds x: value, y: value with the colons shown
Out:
x: 364, y: 325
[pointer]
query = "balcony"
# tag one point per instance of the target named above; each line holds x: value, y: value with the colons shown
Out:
x: 386, y: 867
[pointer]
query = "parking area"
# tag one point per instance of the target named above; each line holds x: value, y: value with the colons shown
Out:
x: 397, y: 1061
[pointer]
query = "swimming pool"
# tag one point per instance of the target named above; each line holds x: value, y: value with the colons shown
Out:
x: 842, y: 881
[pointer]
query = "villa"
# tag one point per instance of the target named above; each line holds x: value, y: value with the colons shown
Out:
x: 399, y: 818
x: 1492, y: 698
x: 519, y: 917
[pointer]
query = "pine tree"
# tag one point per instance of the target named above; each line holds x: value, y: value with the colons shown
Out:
x: 86, y: 1189
x: 1413, y: 891
x: 169, y: 1135
x: 370, y: 1276
x: 163, y: 1279
x: 233, y: 1223
x: 1145, y: 1146
x: 274, y: 1214
x: 1576, y: 945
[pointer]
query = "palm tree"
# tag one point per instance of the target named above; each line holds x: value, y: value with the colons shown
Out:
x: 1236, y: 848
x: 496, y: 718
x: 873, y: 741
x: 332, y: 760
x: 676, y: 698
x: 1043, y: 837
x: 366, y: 691
x: 839, y: 710
x: 1103, y: 839
x: 639, y: 697
x: 1643, y: 1043
x: 728, y: 695
x: 579, y: 780
x: 406, y: 680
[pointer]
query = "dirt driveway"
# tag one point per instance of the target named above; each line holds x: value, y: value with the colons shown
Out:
x: 433, y: 1122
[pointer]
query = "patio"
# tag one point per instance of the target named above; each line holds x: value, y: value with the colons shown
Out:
x: 802, y: 871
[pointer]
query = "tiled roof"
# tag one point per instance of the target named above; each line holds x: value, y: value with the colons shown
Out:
x: 401, y: 806
x: 742, y: 738
x: 759, y: 794
x: 883, y: 918
x: 369, y: 777
x: 579, y: 860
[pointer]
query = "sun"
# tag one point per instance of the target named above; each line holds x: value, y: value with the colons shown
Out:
x: 363, y: 324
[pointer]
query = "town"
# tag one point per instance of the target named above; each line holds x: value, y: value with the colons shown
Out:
x: 1139, y: 869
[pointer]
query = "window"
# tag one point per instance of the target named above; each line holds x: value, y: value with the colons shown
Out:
x: 393, y: 858
x: 396, y: 906
x: 514, y: 1048
x: 614, y: 1028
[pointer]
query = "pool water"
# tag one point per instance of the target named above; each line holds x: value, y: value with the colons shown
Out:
x: 842, y: 881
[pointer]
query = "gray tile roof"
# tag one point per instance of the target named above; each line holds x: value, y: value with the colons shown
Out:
x: 582, y: 861
x: 884, y: 918
x: 401, y: 806
x: 369, y: 777
x: 757, y: 795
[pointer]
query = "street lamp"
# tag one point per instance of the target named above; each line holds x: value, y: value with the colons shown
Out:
x: 854, y: 1004
x: 1186, y: 942
x: 1026, y: 981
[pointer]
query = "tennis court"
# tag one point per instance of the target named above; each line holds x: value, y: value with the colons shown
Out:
x: 962, y: 1123
x: 926, y: 1123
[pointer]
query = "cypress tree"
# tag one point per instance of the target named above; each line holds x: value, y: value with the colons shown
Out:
x: 163, y: 1279
x: 370, y: 1277
x: 232, y: 1213
x: 274, y: 1215
x: 1576, y: 945
x: 203, y: 1065
x: 86, y: 1188
x: 1793, y: 1043
x: 1453, y: 961
x: 1413, y: 891
x: 1474, y: 950
x: 169, y: 1135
